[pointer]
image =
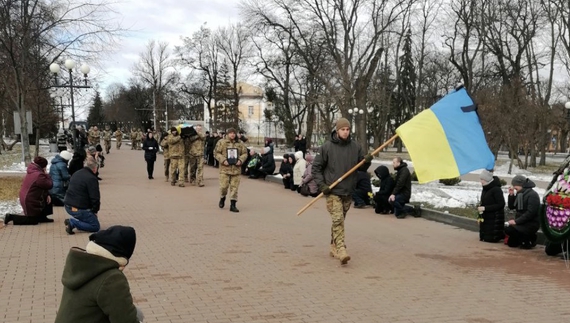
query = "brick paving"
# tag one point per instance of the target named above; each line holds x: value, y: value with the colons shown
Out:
x: 196, y: 263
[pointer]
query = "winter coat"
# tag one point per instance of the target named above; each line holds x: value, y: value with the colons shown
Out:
x: 386, y: 181
x: 299, y: 168
x: 302, y: 144
x: 493, y: 225
x: 83, y: 191
x: 403, y: 184
x: 94, y: 291
x: 60, y: 177
x: 308, y: 178
x: 363, y: 182
x: 76, y: 162
x: 526, y: 219
x: 334, y: 158
x: 150, y: 147
x: 175, y: 146
x: 35, y: 190
x: 268, y: 162
x: 221, y: 154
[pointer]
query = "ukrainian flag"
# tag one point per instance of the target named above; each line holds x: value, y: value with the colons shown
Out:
x: 446, y: 140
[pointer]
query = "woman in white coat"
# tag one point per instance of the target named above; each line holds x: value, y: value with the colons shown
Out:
x: 298, y: 170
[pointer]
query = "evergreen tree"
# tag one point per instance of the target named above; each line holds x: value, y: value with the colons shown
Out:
x: 96, y: 117
x: 406, y: 93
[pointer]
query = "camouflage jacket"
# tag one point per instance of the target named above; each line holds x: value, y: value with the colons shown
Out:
x: 175, y: 146
x: 221, y: 154
x: 119, y: 135
x: 133, y: 135
x: 107, y: 134
x: 140, y: 135
x: 164, y: 145
x: 197, y: 145
x: 96, y: 134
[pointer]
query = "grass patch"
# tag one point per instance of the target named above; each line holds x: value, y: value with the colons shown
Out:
x: 548, y: 168
x: 10, y: 187
x: 463, y: 212
x: 391, y: 154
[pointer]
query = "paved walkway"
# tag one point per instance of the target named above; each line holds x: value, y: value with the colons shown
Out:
x: 196, y: 263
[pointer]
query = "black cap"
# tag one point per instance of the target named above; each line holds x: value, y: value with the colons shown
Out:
x: 118, y: 240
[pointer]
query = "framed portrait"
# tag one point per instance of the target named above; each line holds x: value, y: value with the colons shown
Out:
x: 232, y: 156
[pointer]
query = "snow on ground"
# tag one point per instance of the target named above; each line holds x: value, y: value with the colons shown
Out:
x: 10, y: 207
x: 20, y: 167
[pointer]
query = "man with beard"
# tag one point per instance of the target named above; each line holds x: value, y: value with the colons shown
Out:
x: 334, y: 158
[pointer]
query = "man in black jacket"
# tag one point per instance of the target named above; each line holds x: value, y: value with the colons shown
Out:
x: 402, y: 191
x: 83, y: 200
x: 522, y: 230
x: 386, y: 188
x: 363, y: 188
x: 334, y: 158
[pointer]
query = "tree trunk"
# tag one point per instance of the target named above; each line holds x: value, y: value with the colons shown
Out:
x: 37, y: 150
x: 310, y: 125
x: 563, y: 141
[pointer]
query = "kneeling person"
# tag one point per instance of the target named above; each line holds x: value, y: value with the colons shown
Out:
x: 83, y: 200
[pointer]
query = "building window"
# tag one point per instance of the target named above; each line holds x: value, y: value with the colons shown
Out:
x: 250, y: 110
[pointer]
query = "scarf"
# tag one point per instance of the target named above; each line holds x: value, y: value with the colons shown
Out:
x: 519, y: 200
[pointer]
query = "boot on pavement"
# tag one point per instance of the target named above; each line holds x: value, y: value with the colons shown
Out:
x: 233, y: 207
x: 222, y: 202
x: 332, y: 253
x: 343, y: 256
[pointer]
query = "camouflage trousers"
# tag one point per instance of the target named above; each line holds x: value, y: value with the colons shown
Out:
x: 107, y: 146
x: 166, y: 167
x: 338, y: 206
x: 196, y: 170
x: 177, y: 164
x: 230, y: 182
x: 119, y: 142
x: 133, y: 144
x: 186, y: 166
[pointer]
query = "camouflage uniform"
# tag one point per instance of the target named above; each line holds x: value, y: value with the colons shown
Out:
x: 186, y: 158
x: 166, y: 153
x: 133, y: 139
x: 96, y: 136
x: 107, y: 134
x: 176, y: 151
x: 140, y: 137
x: 229, y: 175
x: 196, y: 159
x: 119, y: 138
x: 90, y: 136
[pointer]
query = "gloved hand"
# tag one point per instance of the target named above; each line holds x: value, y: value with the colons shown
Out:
x: 368, y: 158
x: 326, y: 189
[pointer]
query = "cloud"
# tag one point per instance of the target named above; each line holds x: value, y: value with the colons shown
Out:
x: 165, y: 20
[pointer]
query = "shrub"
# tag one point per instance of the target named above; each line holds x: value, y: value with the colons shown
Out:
x: 503, y: 182
x: 375, y: 182
x: 450, y: 181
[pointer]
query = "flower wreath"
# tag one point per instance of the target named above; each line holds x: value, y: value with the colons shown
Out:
x: 558, y: 203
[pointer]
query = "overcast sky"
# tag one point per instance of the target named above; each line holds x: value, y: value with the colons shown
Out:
x: 165, y: 20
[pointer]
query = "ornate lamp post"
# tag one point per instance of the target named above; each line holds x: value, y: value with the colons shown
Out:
x: 70, y: 65
x: 354, y: 114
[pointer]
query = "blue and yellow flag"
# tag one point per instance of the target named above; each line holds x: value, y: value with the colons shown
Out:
x: 446, y: 140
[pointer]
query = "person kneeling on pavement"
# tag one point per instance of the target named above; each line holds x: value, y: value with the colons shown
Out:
x: 492, y: 209
x: 95, y: 289
x: 402, y: 191
x: 522, y: 230
x: 34, y: 196
x: 60, y: 177
x: 83, y: 200
x: 383, y: 206
x: 363, y: 188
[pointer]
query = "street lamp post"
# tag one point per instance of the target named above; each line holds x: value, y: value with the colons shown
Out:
x: 354, y: 114
x: 70, y: 65
x: 59, y: 94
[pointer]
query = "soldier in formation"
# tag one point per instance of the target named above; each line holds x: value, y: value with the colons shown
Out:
x: 94, y: 136
x: 107, y: 134
x: 133, y: 139
x: 166, y: 154
x: 196, y: 155
x: 231, y: 154
x: 118, y: 138
x: 176, y: 152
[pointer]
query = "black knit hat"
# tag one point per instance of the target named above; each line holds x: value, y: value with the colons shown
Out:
x: 40, y: 161
x: 118, y: 240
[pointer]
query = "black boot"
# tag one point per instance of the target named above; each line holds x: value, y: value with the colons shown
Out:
x: 222, y: 202
x: 233, y: 207
x: 7, y: 218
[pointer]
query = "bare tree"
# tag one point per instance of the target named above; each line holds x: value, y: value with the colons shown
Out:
x: 155, y: 69
x: 51, y: 29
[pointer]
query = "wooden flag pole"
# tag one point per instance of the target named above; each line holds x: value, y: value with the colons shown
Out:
x: 352, y: 170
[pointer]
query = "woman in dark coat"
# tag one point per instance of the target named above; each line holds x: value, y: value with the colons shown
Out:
x: 522, y: 230
x: 150, y: 147
x: 77, y: 161
x: 60, y: 177
x: 387, y: 183
x: 34, y: 196
x: 492, y: 209
x: 286, y: 171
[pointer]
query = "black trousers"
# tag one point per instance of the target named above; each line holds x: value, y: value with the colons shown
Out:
x: 150, y: 167
x: 33, y: 220
x: 382, y: 204
x: 517, y: 238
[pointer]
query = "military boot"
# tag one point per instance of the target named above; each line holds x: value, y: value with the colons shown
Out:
x: 332, y: 253
x: 342, y: 255
x: 222, y: 202
x: 233, y: 207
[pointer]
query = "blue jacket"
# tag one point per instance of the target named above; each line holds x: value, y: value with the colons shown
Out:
x: 60, y: 176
